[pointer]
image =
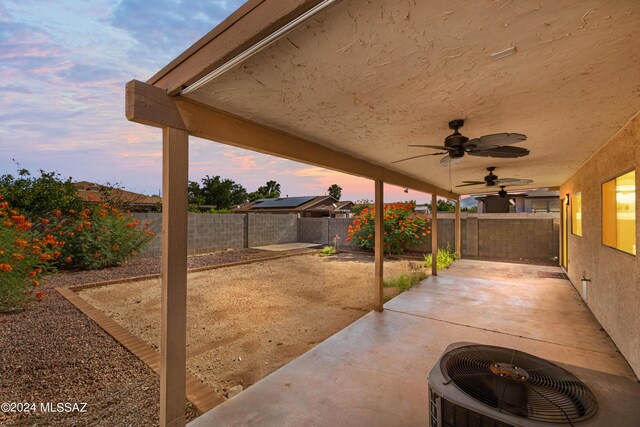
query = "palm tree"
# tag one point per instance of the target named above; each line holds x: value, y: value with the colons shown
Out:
x: 335, y: 191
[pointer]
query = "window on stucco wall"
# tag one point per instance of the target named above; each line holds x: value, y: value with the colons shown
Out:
x: 619, y: 213
x: 576, y: 214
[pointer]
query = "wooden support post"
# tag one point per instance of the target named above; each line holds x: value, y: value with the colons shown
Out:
x: 458, y: 231
x: 379, y: 244
x: 173, y: 346
x: 434, y: 235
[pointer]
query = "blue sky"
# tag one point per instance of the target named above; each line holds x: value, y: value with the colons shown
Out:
x: 63, y: 69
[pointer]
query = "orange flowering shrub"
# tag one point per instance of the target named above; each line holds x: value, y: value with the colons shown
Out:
x: 25, y: 255
x: 97, y: 237
x: 401, y: 227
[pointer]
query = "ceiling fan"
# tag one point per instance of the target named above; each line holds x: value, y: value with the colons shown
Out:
x: 492, y: 180
x: 457, y: 145
x: 503, y: 193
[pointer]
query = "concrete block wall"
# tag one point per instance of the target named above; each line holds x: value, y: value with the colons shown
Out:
x: 213, y: 232
x: 483, y: 235
x: 470, y: 244
x: 266, y: 229
x: 323, y: 230
x: 339, y: 227
x: 209, y: 232
x: 446, y: 236
x: 206, y: 232
x: 313, y: 230
x: 155, y: 224
x: 521, y: 238
x: 519, y: 235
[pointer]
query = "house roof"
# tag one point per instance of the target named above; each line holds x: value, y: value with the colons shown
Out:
x: 334, y: 207
x: 370, y: 77
x: 293, y: 204
x: 90, y: 191
x: 283, y: 202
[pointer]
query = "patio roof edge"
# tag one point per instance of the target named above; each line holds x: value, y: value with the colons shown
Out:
x: 250, y: 23
x: 151, y: 105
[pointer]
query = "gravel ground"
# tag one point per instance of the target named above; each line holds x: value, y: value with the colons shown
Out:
x: 249, y: 320
x: 54, y: 353
x: 145, y: 266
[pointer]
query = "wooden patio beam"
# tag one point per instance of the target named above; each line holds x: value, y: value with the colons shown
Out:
x: 379, y: 245
x: 173, y: 339
x: 434, y: 235
x: 458, y: 231
x: 152, y: 106
x: 215, y: 125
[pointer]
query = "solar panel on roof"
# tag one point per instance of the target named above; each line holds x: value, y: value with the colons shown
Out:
x: 263, y: 200
x: 288, y: 202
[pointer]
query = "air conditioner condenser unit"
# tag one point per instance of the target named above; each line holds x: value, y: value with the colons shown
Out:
x: 487, y: 386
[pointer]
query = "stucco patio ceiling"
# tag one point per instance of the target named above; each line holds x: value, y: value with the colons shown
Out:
x: 369, y: 77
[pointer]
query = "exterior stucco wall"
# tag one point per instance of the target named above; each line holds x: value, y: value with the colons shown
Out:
x: 614, y: 290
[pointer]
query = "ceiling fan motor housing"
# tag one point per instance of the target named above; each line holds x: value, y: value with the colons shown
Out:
x: 456, y: 139
x: 491, y: 178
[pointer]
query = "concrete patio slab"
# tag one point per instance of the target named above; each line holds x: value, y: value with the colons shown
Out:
x: 374, y: 372
x: 288, y: 246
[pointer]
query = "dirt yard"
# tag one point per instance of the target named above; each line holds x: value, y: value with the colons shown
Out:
x: 245, y: 322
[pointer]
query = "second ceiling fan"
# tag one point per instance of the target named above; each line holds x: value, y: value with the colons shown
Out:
x: 492, y: 180
x: 457, y: 145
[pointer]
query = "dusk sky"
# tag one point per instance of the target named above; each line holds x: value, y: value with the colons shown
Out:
x: 63, y: 69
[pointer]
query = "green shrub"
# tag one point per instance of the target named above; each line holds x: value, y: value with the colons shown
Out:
x: 401, y: 227
x: 405, y: 281
x: 25, y: 255
x: 444, y: 258
x: 327, y: 251
x: 39, y: 196
x: 97, y: 237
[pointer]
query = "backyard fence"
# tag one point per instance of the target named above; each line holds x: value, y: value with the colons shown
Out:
x: 213, y: 232
x: 521, y: 235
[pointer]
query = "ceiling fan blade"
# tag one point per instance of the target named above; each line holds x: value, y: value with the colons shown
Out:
x: 497, y: 139
x: 447, y: 160
x: 472, y: 183
x: 435, y: 147
x: 415, y: 157
x: 500, y: 152
x: 513, y: 181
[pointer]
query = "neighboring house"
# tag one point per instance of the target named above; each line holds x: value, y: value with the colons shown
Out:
x: 92, y: 192
x: 304, y: 207
x: 541, y: 200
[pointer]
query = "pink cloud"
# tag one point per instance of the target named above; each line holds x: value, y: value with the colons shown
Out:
x: 30, y: 52
x: 53, y: 68
x: 243, y: 162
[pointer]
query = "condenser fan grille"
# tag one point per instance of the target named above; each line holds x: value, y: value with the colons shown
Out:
x: 518, y: 383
